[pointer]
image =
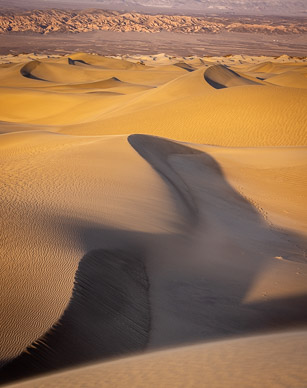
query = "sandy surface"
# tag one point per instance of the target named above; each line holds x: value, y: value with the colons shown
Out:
x: 151, y: 202
x: 254, y: 362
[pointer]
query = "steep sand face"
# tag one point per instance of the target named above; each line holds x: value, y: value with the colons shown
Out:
x: 48, y: 213
x: 262, y: 285
x: 129, y: 222
x: 220, y: 77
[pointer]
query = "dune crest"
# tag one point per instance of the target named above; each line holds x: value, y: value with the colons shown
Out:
x: 153, y: 202
x: 219, y: 77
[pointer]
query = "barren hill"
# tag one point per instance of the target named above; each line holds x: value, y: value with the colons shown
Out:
x: 190, y: 7
x: 55, y: 20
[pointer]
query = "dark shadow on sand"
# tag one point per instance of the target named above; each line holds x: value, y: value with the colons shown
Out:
x: 108, y: 315
x: 75, y: 62
x: 110, y: 312
x: 26, y: 71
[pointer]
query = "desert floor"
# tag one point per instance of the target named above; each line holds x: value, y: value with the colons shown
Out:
x: 153, y: 221
x: 113, y: 43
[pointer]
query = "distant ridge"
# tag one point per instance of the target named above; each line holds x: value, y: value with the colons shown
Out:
x: 190, y: 7
x: 56, y: 20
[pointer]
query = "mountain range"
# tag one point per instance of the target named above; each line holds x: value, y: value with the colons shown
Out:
x: 56, y: 20
x: 237, y: 7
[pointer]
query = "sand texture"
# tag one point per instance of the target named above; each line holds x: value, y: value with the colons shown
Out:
x: 147, y: 203
x: 251, y: 362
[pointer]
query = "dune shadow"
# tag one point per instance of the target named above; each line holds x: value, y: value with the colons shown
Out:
x: 155, y: 151
x: 76, y: 62
x: 211, y: 302
x: 221, y: 77
x: 26, y: 71
x: 185, y: 66
x: 129, y: 281
x: 214, y: 84
x: 108, y: 315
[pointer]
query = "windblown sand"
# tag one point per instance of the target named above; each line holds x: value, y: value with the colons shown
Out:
x: 248, y: 362
x: 150, y: 202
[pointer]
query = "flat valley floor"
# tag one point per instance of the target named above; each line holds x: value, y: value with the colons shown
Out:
x: 177, y: 44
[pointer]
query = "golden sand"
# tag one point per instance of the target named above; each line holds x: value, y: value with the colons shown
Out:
x: 172, y: 188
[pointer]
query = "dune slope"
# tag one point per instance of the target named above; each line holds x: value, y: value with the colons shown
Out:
x: 153, y: 202
x: 254, y: 362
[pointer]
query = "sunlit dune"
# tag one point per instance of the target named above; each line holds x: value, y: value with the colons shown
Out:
x: 148, y: 203
x: 253, y: 362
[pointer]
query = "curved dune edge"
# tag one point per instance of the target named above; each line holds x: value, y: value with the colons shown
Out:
x: 163, y: 96
x: 264, y: 361
x: 70, y: 80
x: 156, y: 152
x: 177, y: 242
x: 108, y: 314
x: 220, y: 77
x: 199, y: 284
x: 88, y: 207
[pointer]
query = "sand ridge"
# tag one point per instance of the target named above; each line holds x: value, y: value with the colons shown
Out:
x: 149, y: 202
x: 175, y: 100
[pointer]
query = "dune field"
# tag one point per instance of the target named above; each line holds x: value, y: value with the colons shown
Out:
x: 153, y: 221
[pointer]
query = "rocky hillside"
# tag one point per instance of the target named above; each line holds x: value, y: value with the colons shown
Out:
x: 186, y: 7
x: 47, y: 21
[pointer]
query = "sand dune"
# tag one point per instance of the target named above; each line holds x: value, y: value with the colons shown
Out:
x: 275, y: 67
x: 150, y: 202
x: 42, y: 177
x: 290, y: 79
x: 220, y: 77
x: 183, y: 104
x: 197, y: 118
x: 253, y: 362
x: 60, y: 72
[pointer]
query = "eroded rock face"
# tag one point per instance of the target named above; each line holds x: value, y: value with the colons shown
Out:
x: 46, y: 21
